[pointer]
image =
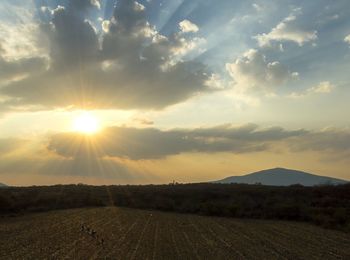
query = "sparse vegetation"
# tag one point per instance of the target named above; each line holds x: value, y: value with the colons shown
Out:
x: 328, y: 206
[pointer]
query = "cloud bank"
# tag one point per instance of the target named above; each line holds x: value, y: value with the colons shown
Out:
x: 128, y: 154
x: 152, y: 143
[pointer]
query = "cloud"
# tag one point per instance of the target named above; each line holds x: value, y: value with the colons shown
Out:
x: 187, y: 26
x: 324, y: 87
x: 143, y: 121
x: 347, y: 39
x: 125, y: 65
x: 105, y: 25
x: 332, y: 140
x: 287, y: 30
x: 12, y: 70
x: 19, y: 50
x: 254, y: 72
x: 127, y: 154
x: 139, y: 144
x: 31, y: 157
x: 152, y: 143
x: 19, y: 33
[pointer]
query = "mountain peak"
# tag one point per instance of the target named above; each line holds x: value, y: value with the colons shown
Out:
x: 282, y: 177
x: 280, y: 169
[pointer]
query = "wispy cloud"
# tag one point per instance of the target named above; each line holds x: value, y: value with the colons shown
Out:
x: 323, y: 87
x: 287, y: 30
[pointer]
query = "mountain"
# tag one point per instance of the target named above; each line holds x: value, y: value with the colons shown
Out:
x: 282, y: 177
x: 3, y: 185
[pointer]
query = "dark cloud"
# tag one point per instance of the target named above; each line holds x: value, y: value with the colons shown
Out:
x: 152, y: 143
x: 331, y: 140
x: 12, y: 69
x: 126, y: 65
x: 73, y: 41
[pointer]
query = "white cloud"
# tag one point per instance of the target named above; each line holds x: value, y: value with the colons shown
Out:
x: 139, y: 7
x: 187, y: 45
x: 254, y: 72
x: 287, y: 30
x: 105, y: 25
x: 187, y: 26
x: 323, y: 87
x: 347, y: 39
x: 96, y: 3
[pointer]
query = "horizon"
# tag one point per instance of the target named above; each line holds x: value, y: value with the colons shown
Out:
x: 108, y: 92
x: 174, y: 181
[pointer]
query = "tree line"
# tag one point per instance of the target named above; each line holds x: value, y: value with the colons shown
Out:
x: 328, y: 206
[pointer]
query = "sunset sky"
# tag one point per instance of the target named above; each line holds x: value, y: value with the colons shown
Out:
x: 116, y: 92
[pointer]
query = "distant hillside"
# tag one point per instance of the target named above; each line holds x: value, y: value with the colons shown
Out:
x: 3, y: 185
x: 282, y: 177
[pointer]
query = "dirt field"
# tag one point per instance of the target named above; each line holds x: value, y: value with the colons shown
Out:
x: 137, y: 234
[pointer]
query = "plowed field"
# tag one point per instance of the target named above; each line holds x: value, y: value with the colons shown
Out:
x: 139, y: 234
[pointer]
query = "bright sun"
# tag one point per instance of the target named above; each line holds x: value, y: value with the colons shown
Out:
x: 86, y: 123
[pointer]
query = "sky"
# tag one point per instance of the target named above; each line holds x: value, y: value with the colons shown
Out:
x: 127, y: 92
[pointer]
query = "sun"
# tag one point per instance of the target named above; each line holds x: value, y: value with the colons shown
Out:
x: 86, y: 123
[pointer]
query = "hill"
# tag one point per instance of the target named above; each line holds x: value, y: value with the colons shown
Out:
x: 3, y: 185
x: 282, y: 177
